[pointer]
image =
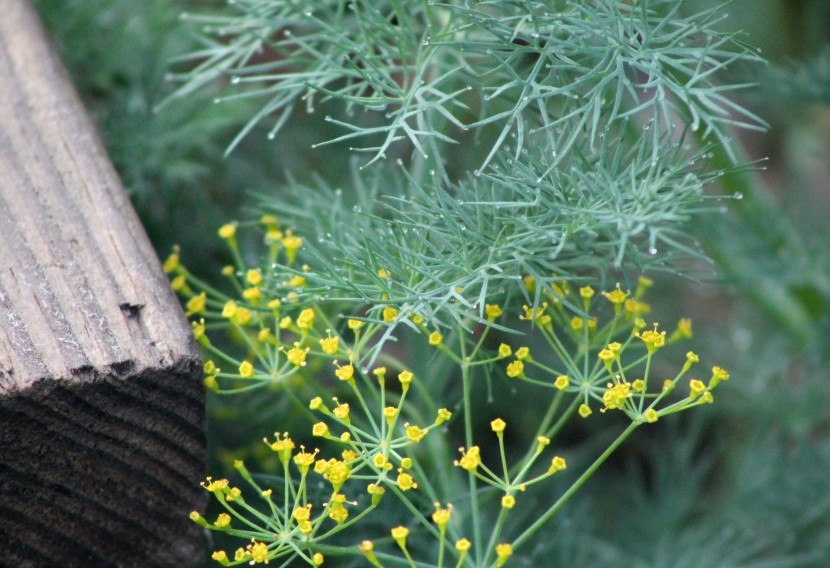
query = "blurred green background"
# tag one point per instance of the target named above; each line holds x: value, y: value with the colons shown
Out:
x: 745, y: 482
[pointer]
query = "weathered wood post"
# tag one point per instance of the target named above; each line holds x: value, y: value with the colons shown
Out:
x: 102, y: 439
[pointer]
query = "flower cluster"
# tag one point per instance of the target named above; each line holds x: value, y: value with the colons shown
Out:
x: 371, y: 425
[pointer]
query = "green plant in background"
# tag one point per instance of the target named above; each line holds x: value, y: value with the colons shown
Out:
x: 594, y: 125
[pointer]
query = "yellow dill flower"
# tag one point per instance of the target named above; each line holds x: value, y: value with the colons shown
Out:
x: 653, y: 339
x: 530, y: 283
x: 523, y: 353
x: 344, y: 373
x: 337, y: 473
x: 696, y: 388
x: 562, y: 382
x: 470, y: 459
x: 415, y: 434
x: 228, y: 270
x: 616, y: 297
x: 240, y: 554
x: 650, y: 415
x: 178, y: 283
x: 214, y: 486
x: 339, y: 515
x: 242, y: 316
x: 638, y: 385
x: 355, y: 324
x: 435, y: 338
x: 492, y: 311
x: 668, y: 385
x: 406, y: 463
x: 264, y: 336
x: 557, y: 464
x: 442, y: 516
x: 443, y: 416
x: 615, y: 395
x: 223, y: 520
x: 390, y: 413
x: 330, y: 345
x: 297, y: 281
x: 684, y: 329
x: 381, y: 462
x: 296, y: 356
x: 318, y: 558
x: 508, y: 502
x: 246, y: 370
x: 306, y: 319
x: 707, y: 398
x: 503, y: 552
x: 317, y: 404
x: 463, y: 546
x: 254, y: 277
x: 515, y: 369
x: 584, y: 410
x: 341, y: 411
x: 498, y: 425
x: 285, y: 322
x: 321, y: 430
x: 400, y: 534
x: 405, y: 377
x: 221, y: 557
x: 252, y: 293
x: 577, y: 323
x: 196, y: 304
x: 301, y: 514
x: 718, y: 375
x: 586, y: 292
x: 172, y: 262
x: 198, y: 329
x: 405, y: 481
x: 504, y: 351
x: 227, y: 231
x: 304, y: 460
x: 291, y: 244
x: 389, y: 314
x: 367, y: 547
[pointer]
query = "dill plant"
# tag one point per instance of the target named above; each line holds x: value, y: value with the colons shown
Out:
x: 513, y: 158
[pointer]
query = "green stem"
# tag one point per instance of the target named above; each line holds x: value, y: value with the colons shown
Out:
x: 547, y: 515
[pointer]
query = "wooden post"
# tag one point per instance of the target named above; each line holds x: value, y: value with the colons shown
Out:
x: 102, y: 441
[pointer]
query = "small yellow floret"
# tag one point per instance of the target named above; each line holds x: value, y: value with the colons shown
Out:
x: 562, y: 382
x: 435, y: 338
x: 504, y: 351
x: 508, y: 502
x: 227, y: 231
x: 246, y: 370
x: 584, y: 410
x: 515, y: 369
x: 557, y: 464
x: 389, y: 314
x: 503, y: 552
x: 400, y: 534
x: 405, y: 481
x: 492, y: 311
x: 498, y: 425
x: 330, y: 345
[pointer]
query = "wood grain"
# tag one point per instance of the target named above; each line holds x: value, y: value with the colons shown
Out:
x: 102, y: 439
